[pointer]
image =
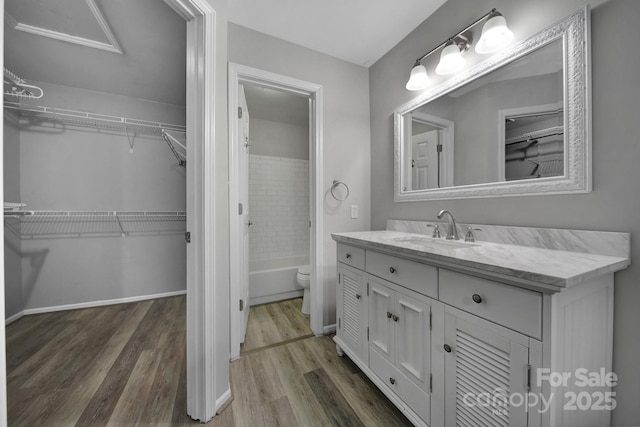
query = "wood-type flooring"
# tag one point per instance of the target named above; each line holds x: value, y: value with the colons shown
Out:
x: 124, y: 365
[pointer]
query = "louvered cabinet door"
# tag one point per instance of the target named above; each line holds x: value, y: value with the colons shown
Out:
x: 485, y: 364
x: 352, y: 310
x: 381, y: 323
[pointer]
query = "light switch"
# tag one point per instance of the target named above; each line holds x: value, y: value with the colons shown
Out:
x: 354, y: 211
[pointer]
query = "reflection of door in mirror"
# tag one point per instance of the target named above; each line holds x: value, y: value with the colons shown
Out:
x: 425, y: 151
x: 429, y: 152
x: 534, y: 142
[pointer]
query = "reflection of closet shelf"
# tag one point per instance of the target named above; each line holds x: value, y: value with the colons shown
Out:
x: 542, y: 133
x: 92, y: 120
x: 61, y: 224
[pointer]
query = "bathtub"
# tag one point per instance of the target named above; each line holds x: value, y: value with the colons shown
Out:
x: 275, y: 279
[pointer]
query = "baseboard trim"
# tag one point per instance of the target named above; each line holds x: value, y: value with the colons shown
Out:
x: 101, y: 303
x: 13, y: 318
x: 275, y: 297
x: 223, y: 401
x: 329, y: 329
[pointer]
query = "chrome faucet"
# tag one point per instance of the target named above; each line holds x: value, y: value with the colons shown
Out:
x: 452, y: 230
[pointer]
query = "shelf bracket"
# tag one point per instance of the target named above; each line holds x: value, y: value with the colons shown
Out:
x: 129, y: 138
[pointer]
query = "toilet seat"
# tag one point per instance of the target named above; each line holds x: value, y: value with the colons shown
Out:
x: 305, y: 270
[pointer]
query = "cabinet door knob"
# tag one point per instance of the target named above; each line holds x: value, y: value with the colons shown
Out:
x: 392, y: 270
x: 476, y: 298
x: 389, y: 315
x: 358, y: 296
x: 347, y: 256
x: 392, y: 380
x: 395, y: 318
x: 447, y: 348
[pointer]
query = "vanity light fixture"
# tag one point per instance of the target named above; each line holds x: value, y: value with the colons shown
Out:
x: 495, y: 35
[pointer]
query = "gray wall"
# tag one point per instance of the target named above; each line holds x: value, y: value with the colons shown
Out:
x: 12, y: 246
x: 87, y: 170
x: 613, y: 205
x: 346, y: 129
x: 269, y: 138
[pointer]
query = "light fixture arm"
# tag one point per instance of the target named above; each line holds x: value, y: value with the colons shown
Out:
x: 458, y: 34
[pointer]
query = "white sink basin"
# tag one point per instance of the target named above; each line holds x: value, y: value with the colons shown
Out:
x: 430, y: 242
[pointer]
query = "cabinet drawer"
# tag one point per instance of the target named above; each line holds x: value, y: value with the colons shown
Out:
x: 515, y: 308
x: 351, y: 255
x: 413, y: 275
x: 418, y: 400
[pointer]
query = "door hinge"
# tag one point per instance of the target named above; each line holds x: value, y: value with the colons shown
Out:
x: 240, y: 209
x: 528, y: 377
x: 430, y: 320
x: 430, y: 383
x: 338, y: 323
x: 439, y: 148
x: 241, y: 305
x: 239, y: 112
x: 339, y: 278
x: 187, y: 237
x: 367, y: 288
x: 367, y: 334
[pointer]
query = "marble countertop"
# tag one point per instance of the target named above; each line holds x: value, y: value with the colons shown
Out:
x: 548, y: 268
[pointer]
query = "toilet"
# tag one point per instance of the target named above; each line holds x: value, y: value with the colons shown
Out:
x: 304, y: 280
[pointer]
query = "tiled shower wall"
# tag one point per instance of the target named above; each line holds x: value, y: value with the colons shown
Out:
x: 278, y: 207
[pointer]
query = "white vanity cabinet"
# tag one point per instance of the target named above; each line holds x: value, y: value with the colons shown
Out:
x: 439, y: 341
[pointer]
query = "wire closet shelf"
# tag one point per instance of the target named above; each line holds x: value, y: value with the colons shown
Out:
x: 60, y: 224
x: 92, y: 120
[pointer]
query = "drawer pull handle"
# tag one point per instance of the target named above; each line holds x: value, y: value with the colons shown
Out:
x: 447, y: 348
x: 476, y: 298
x: 358, y: 296
x: 392, y: 380
x: 389, y: 315
x: 395, y: 318
x: 347, y: 256
x: 392, y: 270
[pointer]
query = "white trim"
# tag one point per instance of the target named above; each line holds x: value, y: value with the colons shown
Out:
x: 13, y: 318
x: 329, y: 329
x: 113, y: 46
x: 206, y: 338
x: 224, y: 399
x: 100, y: 303
x: 244, y: 74
x: 275, y: 297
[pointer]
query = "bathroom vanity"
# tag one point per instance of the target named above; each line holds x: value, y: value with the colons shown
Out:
x: 514, y: 331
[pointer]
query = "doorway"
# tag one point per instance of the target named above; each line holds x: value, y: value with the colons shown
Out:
x: 240, y: 78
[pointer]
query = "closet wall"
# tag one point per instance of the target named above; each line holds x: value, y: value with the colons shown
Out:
x: 52, y: 167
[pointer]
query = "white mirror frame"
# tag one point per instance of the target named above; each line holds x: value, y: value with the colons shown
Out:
x: 574, y: 30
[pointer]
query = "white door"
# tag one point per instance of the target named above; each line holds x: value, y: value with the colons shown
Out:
x: 243, y: 199
x: 424, y: 152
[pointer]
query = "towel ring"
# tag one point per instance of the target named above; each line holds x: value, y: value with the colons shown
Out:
x: 335, y: 185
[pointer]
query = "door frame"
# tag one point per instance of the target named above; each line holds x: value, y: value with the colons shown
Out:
x: 208, y: 386
x: 239, y: 74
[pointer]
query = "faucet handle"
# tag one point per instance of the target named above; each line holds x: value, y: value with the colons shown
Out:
x: 470, y: 237
x: 436, y: 230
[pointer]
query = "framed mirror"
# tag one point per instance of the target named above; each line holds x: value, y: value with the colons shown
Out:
x: 515, y: 124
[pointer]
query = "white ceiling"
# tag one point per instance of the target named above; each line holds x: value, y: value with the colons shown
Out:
x: 137, y: 48
x: 151, y: 35
x: 357, y: 31
x: 276, y: 105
